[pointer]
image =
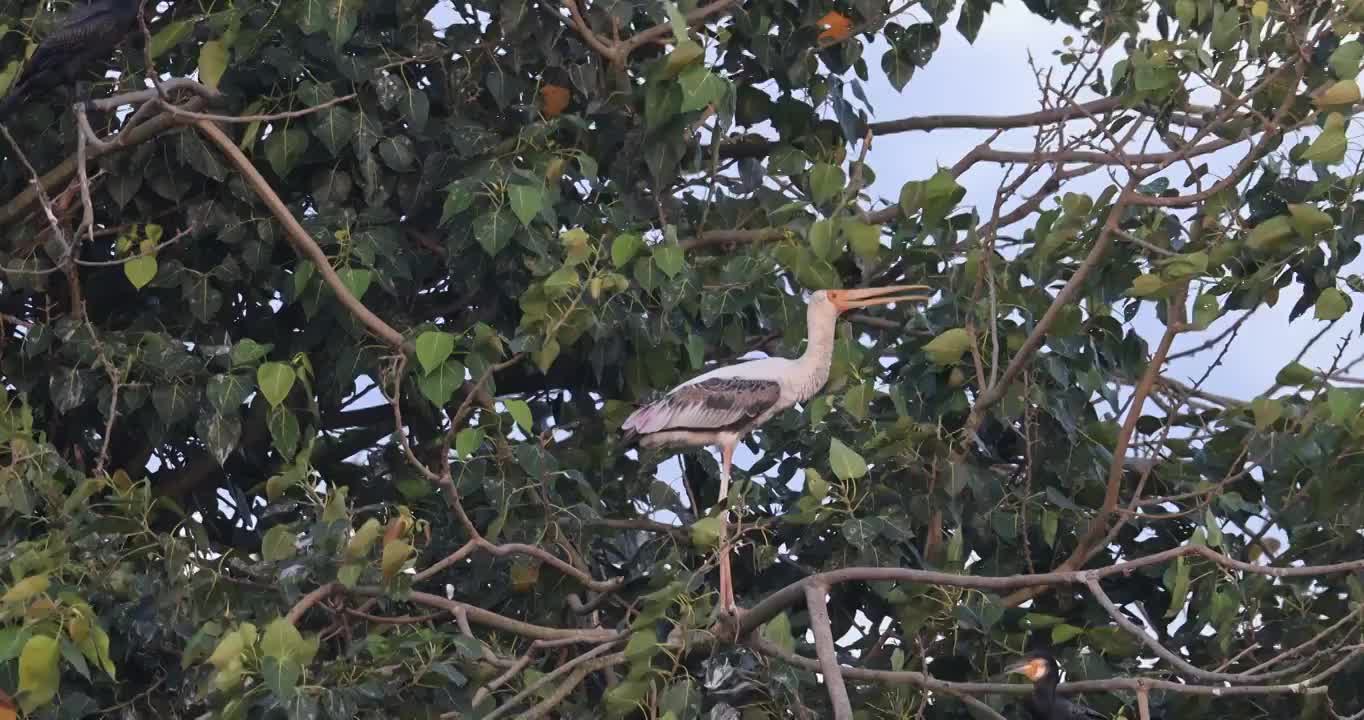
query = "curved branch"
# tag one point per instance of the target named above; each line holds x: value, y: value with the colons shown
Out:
x: 303, y: 244
x: 815, y: 604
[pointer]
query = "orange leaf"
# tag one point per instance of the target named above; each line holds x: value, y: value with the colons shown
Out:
x: 555, y: 99
x: 837, y: 26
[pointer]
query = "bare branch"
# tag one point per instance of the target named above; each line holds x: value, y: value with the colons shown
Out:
x: 824, y: 644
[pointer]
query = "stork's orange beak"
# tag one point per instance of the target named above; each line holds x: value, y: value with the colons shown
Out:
x: 846, y: 300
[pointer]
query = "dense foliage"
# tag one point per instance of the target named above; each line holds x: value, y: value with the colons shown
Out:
x: 368, y: 464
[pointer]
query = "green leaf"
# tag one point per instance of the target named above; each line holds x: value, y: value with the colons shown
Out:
x: 95, y: 647
x: 458, y: 198
x: 520, y: 413
x: 1064, y: 633
x: 1213, y: 528
x: 433, y: 347
x: 948, y: 347
x: 1145, y: 286
x: 1187, y: 265
x: 1266, y: 410
x: 822, y: 240
x: 1343, y: 403
x: 168, y: 37
x: 212, y: 62
x: 826, y: 182
x: 1346, y: 58
x: 275, y: 380
x: 846, y: 463
x: 1269, y: 234
x: 1332, y: 304
x: 282, y: 640
x: 467, y: 441
x: 778, y: 632
x: 1206, y: 310
x: 227, y: 391
x: 624, y: 248
x: 1294, y: 374
x: 700, y: 87
x: 140, y: 270
x: 1329, y: 147
x: 670, y: 259
x: 278, y: 544
x: 547, y: 354
x: 1308, y: 220
x: 356, y: 280
x: 815, y: 484
x: 248, y: 351
x: 526, y: 201
x: 279, y: 484
x: 561, y: 281
x: 220, y: 433
x: 284, y: 148
x: 335, y: 509
x: 864, y: 239
x: 1178, y: 585
x: 284, y: 431
x: 439, y: 385
x: 281, y: 676
x: 493, y: 230
x: 705, y: 533
x: 38, y: 675
x: 335, y: 127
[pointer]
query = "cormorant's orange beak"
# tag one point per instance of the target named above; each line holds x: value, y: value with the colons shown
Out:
x: 846, y: 300
x: 1033, y: 669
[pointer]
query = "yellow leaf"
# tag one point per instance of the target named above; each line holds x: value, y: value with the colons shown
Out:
x: 38, y: 675
x: 25, y: 589
x: 212, y: 63
x: 140, y: 270
x: 229, y: 649
x: 364, y: 537
x: 396, y: 554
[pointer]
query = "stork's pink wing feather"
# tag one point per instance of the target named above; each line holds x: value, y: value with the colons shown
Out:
x: 708, y: 405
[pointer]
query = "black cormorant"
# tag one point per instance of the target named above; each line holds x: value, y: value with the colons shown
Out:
x: 90, y: 32
x: 1040, y: 667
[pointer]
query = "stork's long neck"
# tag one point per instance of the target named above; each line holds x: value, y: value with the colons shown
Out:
x: 819, y: 350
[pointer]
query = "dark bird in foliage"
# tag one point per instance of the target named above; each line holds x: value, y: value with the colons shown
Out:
x: 89, y: 33
x: 1040, y: 667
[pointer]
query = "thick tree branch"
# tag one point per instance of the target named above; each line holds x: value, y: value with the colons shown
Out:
x: 815, y: 604
x: 303, y: 244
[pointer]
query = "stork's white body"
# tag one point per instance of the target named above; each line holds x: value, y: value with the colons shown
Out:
x: 723, y: 405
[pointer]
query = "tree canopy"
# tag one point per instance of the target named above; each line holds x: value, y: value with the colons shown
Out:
x: 319, y: 321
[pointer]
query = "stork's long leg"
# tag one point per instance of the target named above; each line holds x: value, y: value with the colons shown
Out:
x: 727, y: 604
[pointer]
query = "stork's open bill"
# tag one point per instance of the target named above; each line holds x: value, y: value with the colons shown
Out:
x: 722, y: 406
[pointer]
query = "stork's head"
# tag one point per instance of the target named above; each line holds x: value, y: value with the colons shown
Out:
x: 839, y: 301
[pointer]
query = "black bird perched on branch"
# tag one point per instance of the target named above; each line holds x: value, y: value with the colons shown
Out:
x: 1040, y: 667
x: 90, y: 32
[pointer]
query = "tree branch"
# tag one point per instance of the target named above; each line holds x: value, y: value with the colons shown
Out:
x: 824, y: 644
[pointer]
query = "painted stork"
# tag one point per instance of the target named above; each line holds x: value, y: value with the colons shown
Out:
x: 722, y: 406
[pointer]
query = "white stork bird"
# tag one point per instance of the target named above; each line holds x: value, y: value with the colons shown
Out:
x: 722, y: 406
